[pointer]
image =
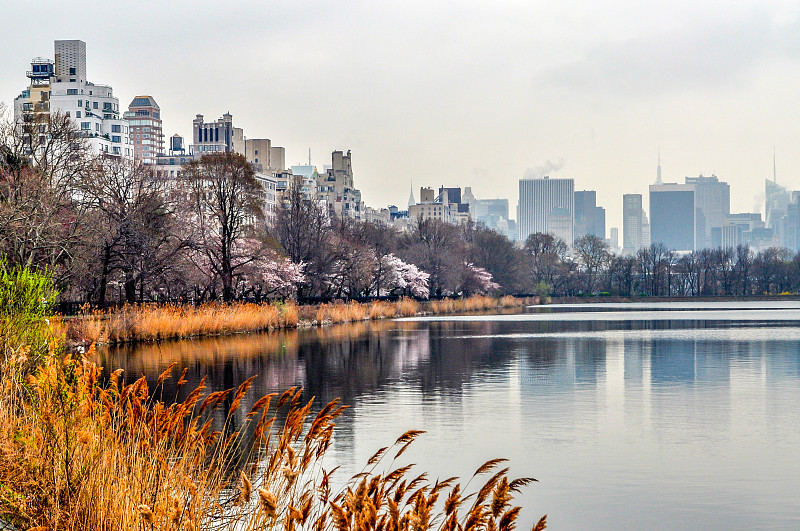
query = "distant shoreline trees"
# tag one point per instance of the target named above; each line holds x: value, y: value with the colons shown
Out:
x: 111, y: 231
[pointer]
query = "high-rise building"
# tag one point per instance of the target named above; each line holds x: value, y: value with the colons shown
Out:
x: 613, y: 239
x: 147, y: 135
x: 589, y: 218
x: 335, y: 186
x: 631, y: 223
x: 60, y: 87
x: 712, y: 199
x: 672, y: 216
x: 212, y: 137
x: 776, y: 202
x: 538, y: 198
x: 444, y: 205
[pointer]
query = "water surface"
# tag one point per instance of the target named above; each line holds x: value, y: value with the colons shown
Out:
x: 674, y: 415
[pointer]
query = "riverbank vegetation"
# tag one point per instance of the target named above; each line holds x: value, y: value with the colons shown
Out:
x: 78, y: 451
x: 151, y: 322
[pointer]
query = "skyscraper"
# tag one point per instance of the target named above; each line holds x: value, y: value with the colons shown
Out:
x: 589, y: 218
x: 147, y: 135
x: 712, y: 202
x: 60, y: 87
x: 672, y: 216
x: 631, y: 223
x: 538, y: 198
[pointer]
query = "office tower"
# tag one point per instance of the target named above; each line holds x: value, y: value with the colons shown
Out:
x: 631, y: 223
x: 589, y: 218
x: 672, y: 216
x: 212, y: 137
x: 712, y: 202
x: 538, y: 198
x: 490, y: 212
x: 60, y: 87
x: 776, y: 202
x: 147, y: 135
x: 613, y: 238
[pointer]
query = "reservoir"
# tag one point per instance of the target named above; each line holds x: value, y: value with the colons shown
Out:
x: 631, y: 416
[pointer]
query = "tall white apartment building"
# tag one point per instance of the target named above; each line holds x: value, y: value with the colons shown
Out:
x: 538, y: 199
x: 61, y: 86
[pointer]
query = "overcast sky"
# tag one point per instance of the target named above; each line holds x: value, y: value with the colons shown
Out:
x: 459, y: 93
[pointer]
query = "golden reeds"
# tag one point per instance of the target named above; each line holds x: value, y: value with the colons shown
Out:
x: 149, y: 322
x: 167, y: 466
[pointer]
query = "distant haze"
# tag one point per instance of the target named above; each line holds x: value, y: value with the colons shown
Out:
x: 463, y: 93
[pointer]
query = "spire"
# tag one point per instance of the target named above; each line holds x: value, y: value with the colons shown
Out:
x: 411, y: 200
x: 774, y: 171
x: 658, y: 169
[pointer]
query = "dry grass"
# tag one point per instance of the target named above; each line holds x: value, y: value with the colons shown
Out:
x: 407, y: 307
x: 109, y: 457
x: 474, y: 303
x: 148, y: 323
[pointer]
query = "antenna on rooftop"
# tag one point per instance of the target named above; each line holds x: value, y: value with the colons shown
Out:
x: 774, y: 172
x: 309, y: 156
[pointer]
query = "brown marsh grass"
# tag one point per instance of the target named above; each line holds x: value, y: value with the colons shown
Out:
x: 149, y: 323
x: 107, y: 456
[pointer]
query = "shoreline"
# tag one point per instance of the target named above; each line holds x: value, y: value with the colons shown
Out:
x: 136, y: 324
x: 616, y: 299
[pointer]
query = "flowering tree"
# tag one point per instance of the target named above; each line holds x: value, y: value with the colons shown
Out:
x: 399, y: 275
x: 477, y: 280
x: 275, y: 275
x: 263, y: 272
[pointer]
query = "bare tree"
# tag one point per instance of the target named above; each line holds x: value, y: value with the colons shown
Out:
x: 135, y: 229
x: 41, y: 217
x: 594, y: 255
x: 226, y: 203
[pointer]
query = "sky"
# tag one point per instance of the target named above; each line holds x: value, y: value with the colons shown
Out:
x: 462, y: 93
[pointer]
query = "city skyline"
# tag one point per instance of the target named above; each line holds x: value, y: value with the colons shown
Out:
x: 597, y: 92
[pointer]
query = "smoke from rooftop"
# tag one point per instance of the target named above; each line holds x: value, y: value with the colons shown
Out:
x: 542, y: 170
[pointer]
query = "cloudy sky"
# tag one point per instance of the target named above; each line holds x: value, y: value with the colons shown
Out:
x: 460, y: 93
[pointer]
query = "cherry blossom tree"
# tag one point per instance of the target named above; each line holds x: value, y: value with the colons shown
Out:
x: 399, y: 275
x: 477, y: 280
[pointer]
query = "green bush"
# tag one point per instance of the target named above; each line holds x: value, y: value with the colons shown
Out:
x: 26, y: 299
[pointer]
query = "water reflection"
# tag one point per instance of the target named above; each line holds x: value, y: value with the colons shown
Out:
x: 628, y: 423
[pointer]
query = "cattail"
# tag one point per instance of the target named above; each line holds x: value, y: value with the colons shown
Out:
x: 146, y: 514
x: 268, y: 502
x: 244, y: 493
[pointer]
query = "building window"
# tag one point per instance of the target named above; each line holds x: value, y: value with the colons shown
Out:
x: 256, y: 154
x: 116, y: 128
x: 72, y: 92
x: 85, y: 126
x: 97, y: 127
x: 116, y: 138
x: 116, y: 150
x: 94, y: 104
x: 75, y: 117
x: 72, y: 71
x: 77, y: 114
x: 80, y: 103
